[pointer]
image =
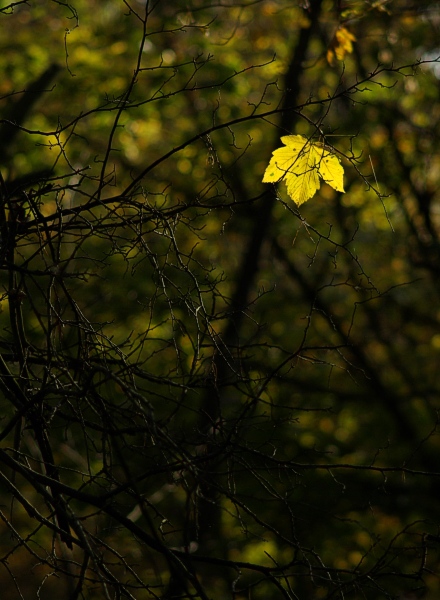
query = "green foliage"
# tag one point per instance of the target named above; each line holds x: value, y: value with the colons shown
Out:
x: 205, y: 392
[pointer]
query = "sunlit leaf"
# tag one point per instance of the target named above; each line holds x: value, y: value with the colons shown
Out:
x: 341, y: 45
x: 301, y: 163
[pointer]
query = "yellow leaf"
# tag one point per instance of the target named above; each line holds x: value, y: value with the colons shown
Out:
x: 300, y: 163
x: 341, y: 45
x: 344, y: 44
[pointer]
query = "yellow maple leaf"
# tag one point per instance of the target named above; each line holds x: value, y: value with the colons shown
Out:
x: 341, y: 45
x: 345, y: 43
x: 300, y: 163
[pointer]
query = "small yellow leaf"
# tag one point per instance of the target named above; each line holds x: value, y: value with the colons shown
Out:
x: 344, y: 44
x: 300, y: 163
x: 341, y: 45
